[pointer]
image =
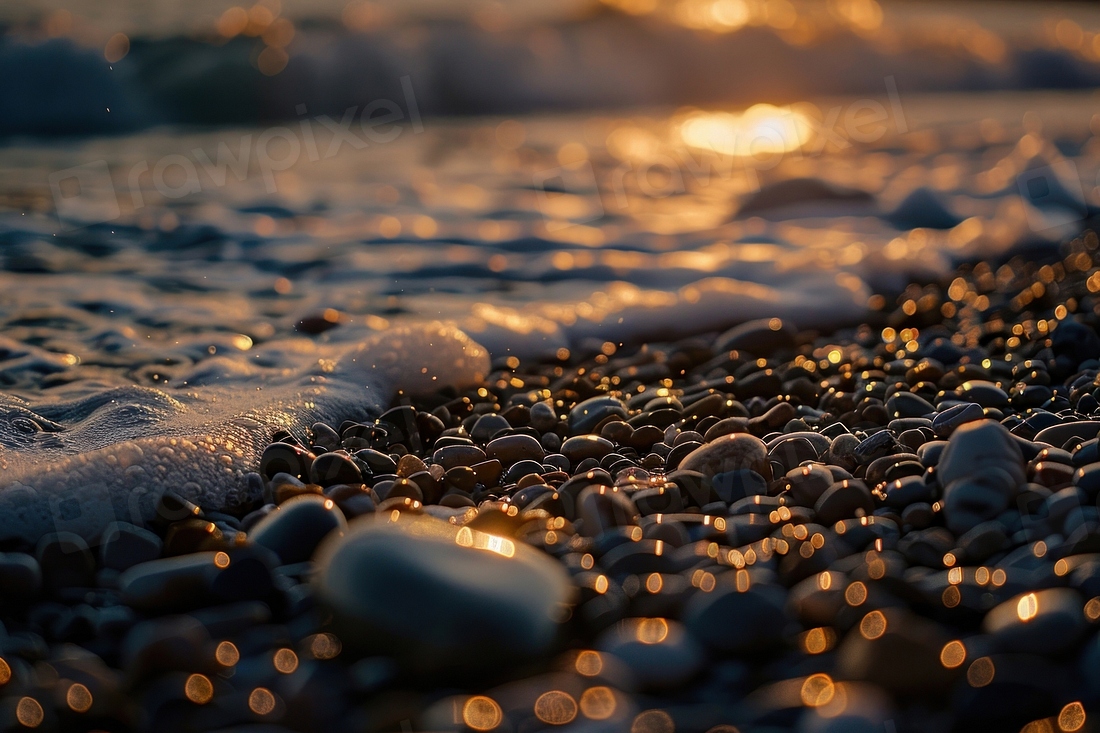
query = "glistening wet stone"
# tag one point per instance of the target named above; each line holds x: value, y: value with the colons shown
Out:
x: 440, y: 598
x: 981, y: 469
x: 295, y: 529
x: 729, y: 453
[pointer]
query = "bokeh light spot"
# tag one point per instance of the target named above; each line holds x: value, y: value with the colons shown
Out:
x: 79, y: 698
x: 482, y: 713
x: 653, y: 721
x: 198, y: 689
x: 29, y: 712
x: 981, y: 672
x: 817, y: 690
x: 261, y: 701
x: 598, y: 703
x: 227, y: 654
x: 556, y: 708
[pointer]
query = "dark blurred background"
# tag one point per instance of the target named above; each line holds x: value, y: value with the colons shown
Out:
x: 82, y: 66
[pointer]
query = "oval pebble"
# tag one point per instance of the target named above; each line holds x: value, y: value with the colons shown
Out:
x: 437, y: 597
x: 295, y: 529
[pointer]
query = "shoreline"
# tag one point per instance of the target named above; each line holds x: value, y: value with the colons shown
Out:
x: 892, y: 525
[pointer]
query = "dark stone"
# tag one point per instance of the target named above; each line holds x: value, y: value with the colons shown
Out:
x: 585, y: 416
x: 123, y: 545
x: 729, y: 620
x: 66, y: 562
x: 334, y: 468
x: 294, y: 530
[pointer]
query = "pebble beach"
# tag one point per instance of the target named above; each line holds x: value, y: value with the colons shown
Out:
x: 761, y: 530
x: 634, y: 401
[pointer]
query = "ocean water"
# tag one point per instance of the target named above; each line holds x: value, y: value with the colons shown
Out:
x: 648, y: 191
x: 554, y: 232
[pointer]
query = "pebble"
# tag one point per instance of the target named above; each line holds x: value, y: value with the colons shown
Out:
x: 730, y: 620
x: 907, y: 404
x: 761, y: 338
x: 946, y: 421
x: 124, y: 545
x: 732, y: 486
x: 1047, y: 621
x: 487, y: 426
x: 514, y: 448
x: 66, y: 562
x: 297, y: 527
x: 874, y: 446
x: 169, y: 584
x: 582, y: 447
x: 659, y: 653
x: 585, y: 416
x: 1059, y: 435
x: 981, y: 470
x: 600, y: 509
x: 844, y: 500
x: 437, y: 598
x: 285, y: 458
x: 543, y: 417
x: 377, y: 463
x: 898, y: 651
x: 20, y: 577
x: 334, y: 468
x: 729, y: 453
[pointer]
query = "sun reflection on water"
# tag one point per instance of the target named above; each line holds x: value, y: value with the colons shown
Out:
x: 762, y: 129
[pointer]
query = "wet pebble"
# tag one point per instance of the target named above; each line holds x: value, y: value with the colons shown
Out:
x: 438, y: 597
x: 295, y: 529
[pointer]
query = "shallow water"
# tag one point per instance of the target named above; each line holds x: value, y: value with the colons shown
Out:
x: 554, y: 232
x: 133, y: 263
